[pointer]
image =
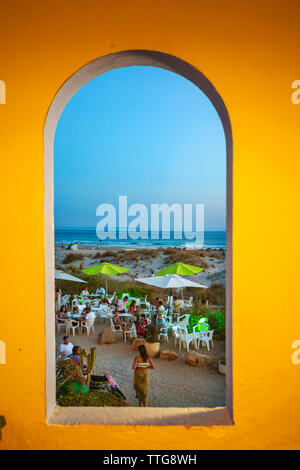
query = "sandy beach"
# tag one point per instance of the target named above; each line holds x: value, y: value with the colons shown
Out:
x: 146, y: 261
x: 172, y: 383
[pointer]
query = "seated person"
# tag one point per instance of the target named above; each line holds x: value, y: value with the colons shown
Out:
x: 141, y: 325
x: 118, y: 323
x: 84, y: 313
x: 115, y: 301
x: 122, y: 304
x: 105, y: 300
x: 75, y: 357
x: 143, y: 319
x: 165, y: 303
x: 160, y: 322
x: 66, y: 348
x: 85, y: 292
x: 62, y: 314
x: 131, y: 308
x: 100, y: 291
x: 176, y: 306
x: 160, y: 308
x: 88, y: 314
x: 75, y: 310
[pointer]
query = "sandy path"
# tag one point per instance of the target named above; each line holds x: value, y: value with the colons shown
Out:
x: 172, y: 383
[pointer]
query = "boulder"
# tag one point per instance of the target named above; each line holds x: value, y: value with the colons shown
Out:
x: 198, y: 360
x: 168, y: 355
x: 136, y: 343
x: 106, y: 336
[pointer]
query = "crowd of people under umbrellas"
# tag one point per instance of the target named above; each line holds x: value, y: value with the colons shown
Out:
x: 120, y: 306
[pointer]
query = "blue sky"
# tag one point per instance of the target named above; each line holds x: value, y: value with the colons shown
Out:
x: 143, y: 132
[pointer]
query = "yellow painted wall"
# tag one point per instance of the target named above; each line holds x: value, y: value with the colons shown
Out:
x: 249, y: 51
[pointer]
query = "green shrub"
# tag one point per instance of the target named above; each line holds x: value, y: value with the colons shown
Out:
x: 216, y: 320
x: 94, y: 398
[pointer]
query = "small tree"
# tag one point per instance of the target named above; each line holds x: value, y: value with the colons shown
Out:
x: 152, y: 334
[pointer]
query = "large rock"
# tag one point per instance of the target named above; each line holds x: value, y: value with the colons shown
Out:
x: 136, y: 343
x: 106, y: 336
x: 168, y: 355
x: 198, y: 360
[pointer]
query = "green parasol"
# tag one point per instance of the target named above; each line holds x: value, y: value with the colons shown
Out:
x: 105, y: 268
x: 181, y: 269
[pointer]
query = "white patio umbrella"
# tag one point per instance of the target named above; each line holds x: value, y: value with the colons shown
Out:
x: 67, y: 277
x: 170, y: 281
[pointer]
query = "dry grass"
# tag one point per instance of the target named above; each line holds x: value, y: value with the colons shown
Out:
x: 192, y: 257
x: 71, y: 257
x: 215, y: 294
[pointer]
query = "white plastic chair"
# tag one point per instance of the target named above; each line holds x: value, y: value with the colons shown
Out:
x: 184, y: 318
x: 189, y: 303
x: 185, y: 339
x: 168, y: 322
x: 196, y: 334
x: 103, y: 311
x: 89, y: 325
x: 130, y: 332
x: 176, y: 334
x: 183, y: 321
x: 147, y: 314
x: 71, y: 325
x: 61, y: 323
x: 94, y: 303
x: 113, y: 327
x: 164, y: 335
x: 111, y: 298
x: 65, y: 300
x: 206, y: 337
x: 144, y: 302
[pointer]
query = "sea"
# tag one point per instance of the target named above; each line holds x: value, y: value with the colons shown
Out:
x: 88, y: 236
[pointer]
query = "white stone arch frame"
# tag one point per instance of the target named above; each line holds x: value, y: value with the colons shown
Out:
x: 130, y: 415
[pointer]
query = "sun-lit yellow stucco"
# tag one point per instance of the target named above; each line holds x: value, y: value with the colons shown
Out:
x: 249, y: 51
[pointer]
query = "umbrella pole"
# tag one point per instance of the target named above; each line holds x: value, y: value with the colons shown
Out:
x: 106, y: 285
